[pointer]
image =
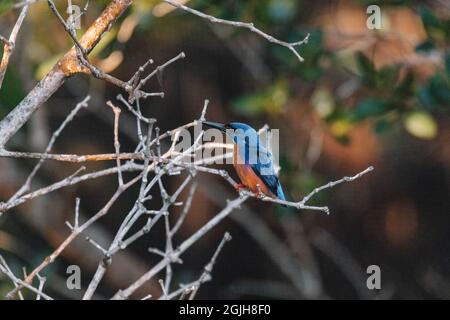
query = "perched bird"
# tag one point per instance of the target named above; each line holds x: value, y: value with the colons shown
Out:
x: 253, y: 163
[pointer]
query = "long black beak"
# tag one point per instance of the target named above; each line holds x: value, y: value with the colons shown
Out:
x: 215, y: 125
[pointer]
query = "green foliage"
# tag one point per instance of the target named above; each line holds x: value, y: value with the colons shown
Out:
x: 429, y: 19
x: 387, y: 98
x: 281, y: 11
x: 421, y: 125
x: 323, y: 102
x: 263, y: 13
x: 270, y: 99
x: 435, y: 93
x: 15, y: 93
x: 406, y: 99
x: 313, y: 53
x: 6, y: 6
x: 382, y: 126
x: 370, y: 107
x: 375, y: 79
x: 438, y: 30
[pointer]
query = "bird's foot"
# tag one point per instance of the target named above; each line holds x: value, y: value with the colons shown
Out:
x: 240, y: 186
x: 259, y: 195
x: 241, y: 189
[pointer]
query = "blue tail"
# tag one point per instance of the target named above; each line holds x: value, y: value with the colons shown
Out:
x: 280, y: 193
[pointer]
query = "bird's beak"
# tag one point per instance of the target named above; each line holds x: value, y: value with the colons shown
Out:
x: 215, y: 125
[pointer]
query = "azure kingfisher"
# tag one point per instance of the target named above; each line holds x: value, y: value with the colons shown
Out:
x: 253, y: 162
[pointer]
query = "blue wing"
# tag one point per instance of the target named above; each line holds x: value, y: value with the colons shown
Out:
x: 272, y: 183
x: 265, y: 171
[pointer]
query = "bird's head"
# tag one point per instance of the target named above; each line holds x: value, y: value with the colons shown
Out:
x: 237, y: 131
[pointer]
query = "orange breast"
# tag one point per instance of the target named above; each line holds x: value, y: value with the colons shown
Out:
x: 248, y: 176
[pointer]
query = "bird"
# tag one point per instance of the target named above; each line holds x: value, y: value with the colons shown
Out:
x: 253, y: 163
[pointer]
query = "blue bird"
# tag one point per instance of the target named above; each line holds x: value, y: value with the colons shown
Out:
x: 253, y: 162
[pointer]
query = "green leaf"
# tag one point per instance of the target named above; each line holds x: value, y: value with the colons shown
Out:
x: 405, y: 87
x: 323, y: 102
x: 425, y: 97
x: 311, y: 73
x: 282, y: 11
x: 425, y: 46
x: 365, y: 66
x: 429, y: 19
x: 268, y: 100
x: 387, y: 76
x: 6, y: 6
x: 382, y: 126
x: 421, y: 125
x: 12, y: 91
x: 370, y: 107
x: 447, y: 63
x: 440, y: 88
x: 340, y: 129
x: 250, y: 105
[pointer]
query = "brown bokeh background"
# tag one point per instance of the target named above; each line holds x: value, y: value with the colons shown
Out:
x: 396, y: 217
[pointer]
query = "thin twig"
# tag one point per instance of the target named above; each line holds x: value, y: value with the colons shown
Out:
x: 209, y: 267
x: 116, y: 111
x: 75, y: 232
x: 27, y: 185
x: 9, y: 44
x: 231, y: 206
x: 64, y: 68
x: 290, y: 45
x: 302, y: 204
x: 19, y: 284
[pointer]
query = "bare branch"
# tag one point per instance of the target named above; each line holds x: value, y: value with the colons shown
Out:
x: 290, y: 45
x: 185, y: 211
x: 75, y: 232
x: 9, y: 44
x: 192, y: 288
x: 231, y: 206
x: 7, y: 271
x: 334, y: 183
x: 209, y: 267
x: 116, y: 111
x: 41, y: 286
x: 302, y: 204
x: 159, y: 69
x: 27, y: 185
x: 154, y: 157
x: 71, y: 180
x: 64, y: 68
x: 18, y: 283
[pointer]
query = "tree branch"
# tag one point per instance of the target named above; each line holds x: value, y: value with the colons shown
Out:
x: 9, y: 44
x: 290, y: 45
x: 64, y: 68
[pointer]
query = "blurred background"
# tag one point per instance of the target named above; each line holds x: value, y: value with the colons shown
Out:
x: 362, y: 97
